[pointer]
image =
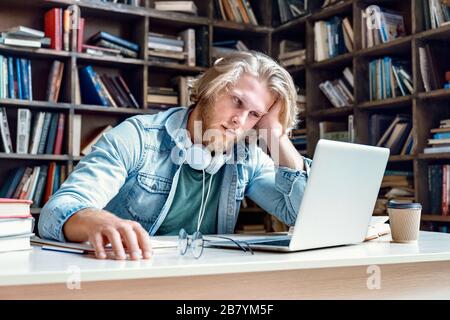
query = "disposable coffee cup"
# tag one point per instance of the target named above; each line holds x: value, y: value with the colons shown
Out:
x: 404, y: 220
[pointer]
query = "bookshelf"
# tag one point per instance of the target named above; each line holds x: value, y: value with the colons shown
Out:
x: 135, y: 23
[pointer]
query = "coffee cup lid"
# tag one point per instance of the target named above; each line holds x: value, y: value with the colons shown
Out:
x: 401, y: 205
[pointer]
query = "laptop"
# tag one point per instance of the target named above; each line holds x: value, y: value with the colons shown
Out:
x: 337, y: 204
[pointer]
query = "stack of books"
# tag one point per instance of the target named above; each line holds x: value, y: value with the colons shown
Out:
x: 223, y: 48
x: 44, y: 137
x: 162, y: 98
x: 22, y: 36
x: 398, y: 135
x: 436, y: 13
x: 389, y: 78
x: 332, y: 37
x: 65, y: 28
x: 339, y: 91
x: 338, y: 131
x: 291, y: 9
x: 106, y: 40
x: 396, y: 185
x: 440, y: 141
x: 16, y: 225
x: 15, y: 78
x: 105, y: 90
x: 239, y: 11
x: 169, y: 48
x: 291, y: 53
x: 36, y: 183
x: 177, y: 6
x: 380, y: 25
x: 184, y: 85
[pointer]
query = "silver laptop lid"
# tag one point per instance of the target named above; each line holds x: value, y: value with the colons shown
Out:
x: 340, y: 195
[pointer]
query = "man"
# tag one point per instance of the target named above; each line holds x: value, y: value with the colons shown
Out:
x: 138, y: 182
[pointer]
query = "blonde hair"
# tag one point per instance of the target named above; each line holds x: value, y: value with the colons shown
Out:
x: 227, y: 71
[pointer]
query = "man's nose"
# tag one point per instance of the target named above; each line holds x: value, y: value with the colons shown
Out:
x: 239, y: 119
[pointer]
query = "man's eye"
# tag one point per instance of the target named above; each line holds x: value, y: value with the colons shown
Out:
x: 254, y: 114
x: 237, y: 101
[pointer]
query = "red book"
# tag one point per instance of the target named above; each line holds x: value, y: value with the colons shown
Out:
x: 53, y: 27
x: 59, y: 134
x: 14, y: 208
x: 50, y: 181
x: 80, y: 35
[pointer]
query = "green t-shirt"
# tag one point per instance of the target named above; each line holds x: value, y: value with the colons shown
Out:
x: 185, y: 207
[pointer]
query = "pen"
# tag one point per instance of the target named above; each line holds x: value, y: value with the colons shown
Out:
x: 60, y: 249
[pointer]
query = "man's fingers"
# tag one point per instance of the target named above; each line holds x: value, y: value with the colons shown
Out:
x: 144, y: 241
x: 99, y: 246
x: 130, y: 238
x: 116, y: 242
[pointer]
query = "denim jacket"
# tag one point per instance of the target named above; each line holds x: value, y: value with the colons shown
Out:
x: 129, y: 173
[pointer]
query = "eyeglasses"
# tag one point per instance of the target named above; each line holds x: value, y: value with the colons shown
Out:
x: 197, y: 243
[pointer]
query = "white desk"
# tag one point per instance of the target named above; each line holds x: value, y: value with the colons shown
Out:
x: 406, y: 272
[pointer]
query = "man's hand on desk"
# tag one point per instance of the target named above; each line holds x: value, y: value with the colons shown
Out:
x: 100, y: 228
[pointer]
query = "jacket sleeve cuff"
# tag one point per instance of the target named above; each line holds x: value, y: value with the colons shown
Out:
x: 55, y: 214
x: 285, y: 177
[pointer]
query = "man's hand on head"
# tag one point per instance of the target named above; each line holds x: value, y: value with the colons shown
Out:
x: 271, y: 121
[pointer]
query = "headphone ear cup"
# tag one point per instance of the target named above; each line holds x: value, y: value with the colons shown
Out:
x: 198, y: 157
x: 178, y: 155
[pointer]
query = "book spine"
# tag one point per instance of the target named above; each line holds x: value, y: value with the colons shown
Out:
x: 6, y: 133
x: 52, y: 134
x: 24, y: 78
x: 118, y: 41
x: 23, y: 130
x: 30, y: 80
x: 37, y: 131
x: 50, y: 181
x: 127, y: 90
x: 80, y: 35
x: 124, y: 51
x: 60, y: 134
x: 18, y: 74
x: 44, y: 134
x: 40, y: 187
x: 66, y: 29
x: 12, y: 91
x: 444, y: 201
x: 24, y: 178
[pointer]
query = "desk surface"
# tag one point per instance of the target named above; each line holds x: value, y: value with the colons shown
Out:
x: 44, y: 267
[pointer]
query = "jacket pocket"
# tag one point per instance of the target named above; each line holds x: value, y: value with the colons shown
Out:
x: 147, y: 197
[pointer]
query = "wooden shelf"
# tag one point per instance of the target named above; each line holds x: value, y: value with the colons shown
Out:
x: 340, y: 60
x: 331, y: 112
x: 176, y: 17
x: 175, y: 67
x: 434, y: 156
x: 34, y: 52
x: 336, y: 9
x: 248, y: 28
x: 397, y: 102
x: 34, y: 104
x: 432, y: 34
x: 296, y: 69
x: 434, y: 218
x: 393, y: 47
x: 401, y: 158
x: 296, y: 23
x: 110, y: 110
x: 440, y: 94
x: 45, y: 157
x: 107, y: 60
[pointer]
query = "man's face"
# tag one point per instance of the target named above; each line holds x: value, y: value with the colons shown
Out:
x: 236, y: 111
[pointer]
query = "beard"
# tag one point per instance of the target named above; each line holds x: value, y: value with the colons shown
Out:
x: 214, y: 135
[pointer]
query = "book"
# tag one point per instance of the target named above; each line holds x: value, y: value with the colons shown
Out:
x: 14, y: 208
x: 88, y: 147
x: 177, y: 6
x: 23, y: 130
x: 86, y: 247
x: 53, y: 27
x: 76, y: 135
x: 16, y: 243
x: 102, y: 35
x: 25, y: 32
x: 377, y: 228
x: 5, y: 132
x: 15, y: 227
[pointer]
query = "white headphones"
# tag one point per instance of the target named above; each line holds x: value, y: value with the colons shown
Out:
x: 199, y: 158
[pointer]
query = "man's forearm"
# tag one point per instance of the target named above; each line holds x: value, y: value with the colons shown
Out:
x: 75, y: 229
x: 284, y: 153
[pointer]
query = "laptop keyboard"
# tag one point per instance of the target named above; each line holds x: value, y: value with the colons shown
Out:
x: 279, y: 243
